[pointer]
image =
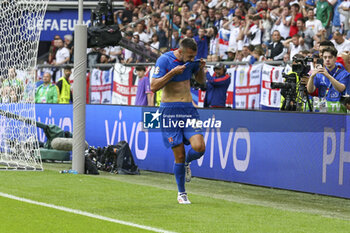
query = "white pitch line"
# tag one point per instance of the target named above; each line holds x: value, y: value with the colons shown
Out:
x: 74, y: 211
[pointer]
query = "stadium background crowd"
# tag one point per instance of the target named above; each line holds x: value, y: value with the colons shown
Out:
x: 226, y: 30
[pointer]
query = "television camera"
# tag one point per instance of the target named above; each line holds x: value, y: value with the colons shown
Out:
x: 295, y: 92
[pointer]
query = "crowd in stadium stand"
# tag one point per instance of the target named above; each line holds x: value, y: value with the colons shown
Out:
x: 225, y: 30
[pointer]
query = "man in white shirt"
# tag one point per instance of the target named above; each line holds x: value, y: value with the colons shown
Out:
x: 283, y: 22
x: 234, y: 31
x: 254, y: 33
x: 294, y: 46
x: 62, y: 57
x: 140, y: 31
x: 341, y: 44
x: 246, y: 53
x: 62, y: 54
x: 312, y: 22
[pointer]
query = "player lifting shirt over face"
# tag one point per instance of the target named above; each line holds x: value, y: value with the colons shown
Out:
x: 173, y: 72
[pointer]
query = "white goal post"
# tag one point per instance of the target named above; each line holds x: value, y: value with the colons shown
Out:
x: 19, y: 39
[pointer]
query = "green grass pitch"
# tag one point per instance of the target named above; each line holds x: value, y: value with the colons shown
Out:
x: 150, y: 200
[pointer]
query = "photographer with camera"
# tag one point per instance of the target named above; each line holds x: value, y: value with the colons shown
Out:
x: 217, y: 85
x: 331, y: 81
x: 293, y: 89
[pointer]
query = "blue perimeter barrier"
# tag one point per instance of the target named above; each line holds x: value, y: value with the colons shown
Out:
x: 297, y: 151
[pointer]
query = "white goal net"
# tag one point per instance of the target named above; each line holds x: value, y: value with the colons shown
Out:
x: 19, y: 39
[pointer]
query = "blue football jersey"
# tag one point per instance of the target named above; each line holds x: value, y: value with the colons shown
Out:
x: 168, y: 61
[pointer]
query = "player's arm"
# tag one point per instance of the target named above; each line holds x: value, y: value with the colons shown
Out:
x: 200, y: 75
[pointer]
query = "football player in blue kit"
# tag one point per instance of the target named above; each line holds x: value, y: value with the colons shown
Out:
x: 173, y: 72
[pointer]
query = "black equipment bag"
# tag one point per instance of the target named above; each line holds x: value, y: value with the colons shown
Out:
x: 125, y: 163
x: 90, y: 167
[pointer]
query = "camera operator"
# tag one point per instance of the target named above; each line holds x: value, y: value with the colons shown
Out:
x: 217, y: 85
x: 293, y: 90
x: 331, y: 82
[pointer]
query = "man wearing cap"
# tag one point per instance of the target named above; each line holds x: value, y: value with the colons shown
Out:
x: 230, y: 54
x: 192, y: 25
x: 215, y: 96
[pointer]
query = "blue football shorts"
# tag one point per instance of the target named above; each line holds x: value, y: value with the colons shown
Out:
x: 177, y: 123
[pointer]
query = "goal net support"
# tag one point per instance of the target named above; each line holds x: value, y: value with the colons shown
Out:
x: 19, y: 38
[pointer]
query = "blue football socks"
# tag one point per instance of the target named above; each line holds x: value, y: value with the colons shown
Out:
x: 179, y: 171
x: 193, y: 155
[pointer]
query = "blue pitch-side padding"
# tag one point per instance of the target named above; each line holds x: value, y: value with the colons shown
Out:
x: 298, y: 151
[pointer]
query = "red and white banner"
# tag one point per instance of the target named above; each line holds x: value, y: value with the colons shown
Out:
x: 101, y: 86
x: 271, y: 97
x: 125, y: 82
x: 124, y: 85
x: 247, y: 86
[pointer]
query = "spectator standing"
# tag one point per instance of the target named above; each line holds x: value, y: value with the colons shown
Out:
x: 144, y: 96
x: 127, y: 52
x: 253, y: 31
x: 62, y: 54
x: 234, y: 31
x: 68, y: 43
x: 341, y: 44
x: 224, y: 37
x: 175, y: 40
x: 295, y: 8
x: 202, y: 44
x: 46, y: 92
x: 161, y: 33
x: 324, y: 14
x: 313, y: 23
x: 210, y: 21
x: 63, y: 84
x: 127, y: 12
x: 294, y: 45
x: 136, y: 57
x: 336, y: 26
x: 143, y: 37
x: 283, y: 22
x: 306, y: 33
x: 192, y: 25
x: 53, y: 49
x: 215, y: 96
x: 275, y: 49
x: 213, y: 39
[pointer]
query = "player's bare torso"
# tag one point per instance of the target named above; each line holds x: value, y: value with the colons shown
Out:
x: 177, y: 92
